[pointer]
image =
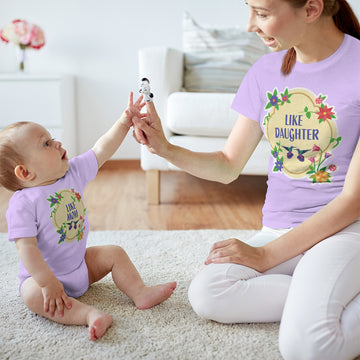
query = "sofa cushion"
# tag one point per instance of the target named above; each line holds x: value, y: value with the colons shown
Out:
x: 217, y: 59
x: 201, y: 114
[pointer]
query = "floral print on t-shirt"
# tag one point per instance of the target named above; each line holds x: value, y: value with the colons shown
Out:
x: 301, y: 129
x: 68, y: 215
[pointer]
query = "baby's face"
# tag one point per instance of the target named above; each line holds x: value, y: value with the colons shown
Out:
x: 44, y: 156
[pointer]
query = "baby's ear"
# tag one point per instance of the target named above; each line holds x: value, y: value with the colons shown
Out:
x: 22, y: 172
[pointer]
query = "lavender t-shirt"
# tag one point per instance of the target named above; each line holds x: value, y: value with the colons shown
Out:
x: 311, y: 119
x: 56, y: 215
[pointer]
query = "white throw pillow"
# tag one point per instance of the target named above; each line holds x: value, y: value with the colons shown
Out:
x: 217, y: 59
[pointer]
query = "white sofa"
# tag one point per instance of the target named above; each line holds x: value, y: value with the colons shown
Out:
x: 197, y: 121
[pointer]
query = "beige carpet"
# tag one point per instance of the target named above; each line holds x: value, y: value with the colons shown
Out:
x: 168, y: 331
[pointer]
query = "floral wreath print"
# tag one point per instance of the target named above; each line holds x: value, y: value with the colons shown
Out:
x: 301, y: 150
x: 68, y: 215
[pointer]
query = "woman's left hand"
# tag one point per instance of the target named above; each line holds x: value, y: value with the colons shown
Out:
x: 236, y: 252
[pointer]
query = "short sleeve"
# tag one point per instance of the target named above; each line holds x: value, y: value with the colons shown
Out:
x: 21, y: 217
x: 247, y: 100
x: 85, y: 166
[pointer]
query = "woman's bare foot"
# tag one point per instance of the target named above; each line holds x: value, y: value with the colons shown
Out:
x: 154, y: 295
x: 98, y: 323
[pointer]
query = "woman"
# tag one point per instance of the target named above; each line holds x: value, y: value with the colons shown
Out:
x: 302, y: 268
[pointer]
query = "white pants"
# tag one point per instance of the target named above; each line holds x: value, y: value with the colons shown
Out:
x: 315, y: 295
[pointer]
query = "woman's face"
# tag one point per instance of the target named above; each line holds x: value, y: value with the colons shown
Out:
x: 276, y: 22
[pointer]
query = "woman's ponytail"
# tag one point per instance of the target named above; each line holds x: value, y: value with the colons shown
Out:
x: 289, y: 61
x: 344, y: 18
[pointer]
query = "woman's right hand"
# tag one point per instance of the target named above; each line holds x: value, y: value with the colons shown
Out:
x: 148, y: 131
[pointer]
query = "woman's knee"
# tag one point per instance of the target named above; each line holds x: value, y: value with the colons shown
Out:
x: 310, y: 342
x: 204, y: 292
x: 199, y: 297
x: 305, y: 348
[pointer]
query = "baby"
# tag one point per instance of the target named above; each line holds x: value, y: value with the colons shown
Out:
x: 47, y: 221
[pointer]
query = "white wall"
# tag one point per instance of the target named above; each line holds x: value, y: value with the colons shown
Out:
x: 98, y: 41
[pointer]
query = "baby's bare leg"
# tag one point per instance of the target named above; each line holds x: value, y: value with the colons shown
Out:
x: 79, y: 314
x: 102, y: 260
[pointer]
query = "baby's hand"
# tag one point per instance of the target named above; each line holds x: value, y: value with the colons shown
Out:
x: 55, y: 298
x: 134, y: 109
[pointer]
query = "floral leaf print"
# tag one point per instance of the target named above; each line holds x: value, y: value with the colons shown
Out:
x: 53, y: 201
x: 273, y: 100
x: 337, y: 141
x: 80, y: 234
x: 276, y: 151
x: 77, y: 195
x: 62, y: 232
x: 319, y: 100
x: 279, y: 161
x: 307, y: 112
x: 319, y: 173
x: 279, y: 164
x: 266, y: 119
x: 316, y: 148
x: 297, y: 118
x: 68, y: 215
x: 285, y: 96
x: 325, y: 113
x: 321, y: 176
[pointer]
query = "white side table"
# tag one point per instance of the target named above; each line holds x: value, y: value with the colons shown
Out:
x: 45, y: 99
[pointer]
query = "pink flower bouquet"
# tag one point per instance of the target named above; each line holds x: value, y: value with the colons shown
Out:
x: 23, y: 34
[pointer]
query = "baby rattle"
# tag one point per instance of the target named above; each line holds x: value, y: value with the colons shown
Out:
x: 145, y: 90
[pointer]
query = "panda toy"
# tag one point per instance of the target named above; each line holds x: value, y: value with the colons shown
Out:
x: 145, y: 90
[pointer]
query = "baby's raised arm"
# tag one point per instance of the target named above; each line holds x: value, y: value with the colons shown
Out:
x: 106, y: 146
x: 53, y: 292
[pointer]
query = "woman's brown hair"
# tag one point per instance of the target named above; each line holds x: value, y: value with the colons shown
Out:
x: 344, y: 18
x: 10, y: 157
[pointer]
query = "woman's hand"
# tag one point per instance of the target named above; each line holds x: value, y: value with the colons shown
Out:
x: 237, y: 252
x: 148, y: 131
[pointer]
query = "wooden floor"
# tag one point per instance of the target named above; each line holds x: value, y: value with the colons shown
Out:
x: 116, y: 200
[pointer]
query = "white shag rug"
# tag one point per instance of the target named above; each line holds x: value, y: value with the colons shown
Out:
x: 168, y: 331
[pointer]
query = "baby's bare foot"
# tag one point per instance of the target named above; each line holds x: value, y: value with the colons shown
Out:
x: 154, y: 295
x: 99, y: 322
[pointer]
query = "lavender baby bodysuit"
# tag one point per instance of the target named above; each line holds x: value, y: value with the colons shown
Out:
x: 56, y: 215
